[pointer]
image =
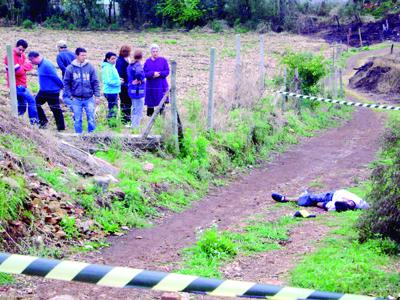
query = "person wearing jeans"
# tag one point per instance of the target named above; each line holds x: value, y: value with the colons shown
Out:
x: 111, y: 85
x: 24, y: 97
x: 136, y: 87
x: 50, y: 87
x: 82, y: 90
x: 78, y: 106
x: 26, y: 100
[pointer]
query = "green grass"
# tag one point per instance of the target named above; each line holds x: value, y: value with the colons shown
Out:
x: 11, y: 197
x: 215, y: 248
x: 344, y: 265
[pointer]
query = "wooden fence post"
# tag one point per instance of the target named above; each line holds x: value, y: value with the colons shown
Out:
x: 262, y: 64
x: 12, y: 82
x: 333, y: 72
x: 238, y: 69
x: 297, y: 89
x: 341, y: 91
x: 284, y: 97
x: 211, y: 84
x: 174, y: 109
x: 360, y: 36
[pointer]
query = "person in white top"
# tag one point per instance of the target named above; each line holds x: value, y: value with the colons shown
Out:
x: 340, y: 200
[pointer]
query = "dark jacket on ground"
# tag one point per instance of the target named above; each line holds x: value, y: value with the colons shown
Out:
x: 122, y: 67
x: 135, y: 72
x: 48, y: 79
x: 80, y: 81
x: 64, y: 59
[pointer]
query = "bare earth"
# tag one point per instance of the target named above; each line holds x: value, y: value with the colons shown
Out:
x: 334, y: 158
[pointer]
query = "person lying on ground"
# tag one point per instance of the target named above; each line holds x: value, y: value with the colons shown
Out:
x: 340, y: 200
x: 50, y: 86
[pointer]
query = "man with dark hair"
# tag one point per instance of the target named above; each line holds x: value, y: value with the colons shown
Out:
x: 82, y: 89
x: 50, y: 85
x: 339, y: 200
x: 22, y: 66
x: 64, y: 57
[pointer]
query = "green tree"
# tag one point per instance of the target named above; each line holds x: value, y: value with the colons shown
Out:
x: 183, y: 12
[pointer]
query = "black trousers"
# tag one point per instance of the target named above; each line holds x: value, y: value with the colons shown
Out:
x: 53, y: 100
x: 126, y: 105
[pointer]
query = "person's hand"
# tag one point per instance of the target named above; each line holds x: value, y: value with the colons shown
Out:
x: 122, y: 80
x: 135, y: 82
x: 97, y: 100
x: 156, y: 74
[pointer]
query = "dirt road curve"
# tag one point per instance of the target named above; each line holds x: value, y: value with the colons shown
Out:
x: 333, y: 157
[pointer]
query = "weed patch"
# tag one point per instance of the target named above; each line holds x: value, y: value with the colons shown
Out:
x: 344, y: 265
x: 215, y: 248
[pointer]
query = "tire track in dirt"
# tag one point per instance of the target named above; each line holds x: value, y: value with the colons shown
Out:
x: 335, y: 155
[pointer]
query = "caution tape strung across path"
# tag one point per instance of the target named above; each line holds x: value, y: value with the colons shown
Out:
x: 122, y: 277
x: 342, y: 102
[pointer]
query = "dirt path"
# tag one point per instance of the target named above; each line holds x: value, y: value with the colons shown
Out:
x: 333, y: 157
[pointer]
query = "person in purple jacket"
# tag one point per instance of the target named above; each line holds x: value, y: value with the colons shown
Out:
x: 156, y: 70
x: 136, y: 87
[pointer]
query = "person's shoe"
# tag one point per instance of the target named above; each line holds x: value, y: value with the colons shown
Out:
x: 278, y: 197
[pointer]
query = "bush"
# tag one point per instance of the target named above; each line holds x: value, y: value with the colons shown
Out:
x: 217, y: 26
x: 311, y: 69
x: 57, y: 22
x: 27, y: 24
x: 383, y: 218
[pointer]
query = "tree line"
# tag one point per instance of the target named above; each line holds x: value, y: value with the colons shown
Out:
x: 274, y: 15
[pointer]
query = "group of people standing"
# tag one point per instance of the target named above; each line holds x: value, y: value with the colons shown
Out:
x: 134, y: 84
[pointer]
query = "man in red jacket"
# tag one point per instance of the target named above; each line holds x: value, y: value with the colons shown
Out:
x: 22, y: 66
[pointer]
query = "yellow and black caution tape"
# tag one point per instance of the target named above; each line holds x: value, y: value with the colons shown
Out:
x: 342, y: 102
x: 122, y: 277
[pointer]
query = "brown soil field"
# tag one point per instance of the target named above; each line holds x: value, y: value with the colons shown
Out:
x: 189, y: 50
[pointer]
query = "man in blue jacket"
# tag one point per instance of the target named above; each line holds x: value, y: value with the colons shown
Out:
x: 64, y: 57
x: 82, y: 90
x: 50, y: 86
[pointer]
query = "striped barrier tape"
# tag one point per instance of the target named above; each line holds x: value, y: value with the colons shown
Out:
x: 343, y: 102
x: 122, y: 277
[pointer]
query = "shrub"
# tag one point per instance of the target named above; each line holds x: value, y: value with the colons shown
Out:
x: 311, y: 69
x: 217, y: 26
x: 27, y: 24
x: 383, y: 218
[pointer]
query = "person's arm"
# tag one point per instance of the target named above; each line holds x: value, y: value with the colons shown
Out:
x: 68, y: 77
x: 329, y: 206
x: 26, y: 66
x: 60, y: 64
x: 147, y: 72
x: 115, y: 81
x: 95, y: 83
x: 165, y: 70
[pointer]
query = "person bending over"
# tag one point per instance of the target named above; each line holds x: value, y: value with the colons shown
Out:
x: 340, y: 200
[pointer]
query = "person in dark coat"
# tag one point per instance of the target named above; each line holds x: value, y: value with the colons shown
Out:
x: 156, y: 70
x: 64, y: 57
x: 122, y: 67
x: 50, y: 86
x: 136, y: 87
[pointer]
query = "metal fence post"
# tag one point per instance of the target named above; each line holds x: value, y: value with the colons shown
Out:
x: 262, y: 64
x: 174, y: 109
x: 211, y: 84
x: 12, y: 81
